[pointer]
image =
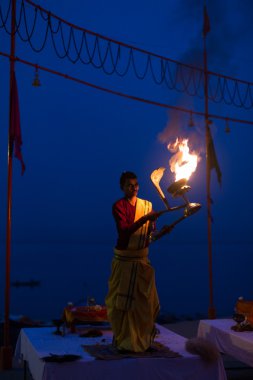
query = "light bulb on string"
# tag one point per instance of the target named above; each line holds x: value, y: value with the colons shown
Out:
x: 191, y: 122
x: 36, y: 80
x: 227, y: 129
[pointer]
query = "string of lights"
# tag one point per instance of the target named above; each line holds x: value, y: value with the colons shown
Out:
x: 38, y: 27
x: 37, y: 67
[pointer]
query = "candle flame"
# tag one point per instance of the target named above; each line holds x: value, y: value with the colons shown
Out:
x: 182, y: 163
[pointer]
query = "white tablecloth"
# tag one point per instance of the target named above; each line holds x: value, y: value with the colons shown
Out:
x: 34, y: 343
x: 236, y: 344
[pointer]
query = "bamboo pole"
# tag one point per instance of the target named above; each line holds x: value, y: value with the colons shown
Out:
x: 211, y: 308
x: 6, y: 349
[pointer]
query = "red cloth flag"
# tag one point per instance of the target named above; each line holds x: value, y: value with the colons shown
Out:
x: 206, y: 23
x: 15, y: 129
x: 212, y: 158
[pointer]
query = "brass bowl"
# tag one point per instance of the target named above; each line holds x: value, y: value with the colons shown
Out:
x: 179, y: 187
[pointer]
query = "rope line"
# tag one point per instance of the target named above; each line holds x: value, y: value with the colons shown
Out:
x: 123, y: 95
x: 78, y: 44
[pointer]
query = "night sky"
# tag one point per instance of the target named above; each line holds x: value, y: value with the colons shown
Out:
x: 77, y: 140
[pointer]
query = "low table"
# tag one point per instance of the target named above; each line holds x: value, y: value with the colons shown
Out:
x: 35, y: 343
x: 236, y: 344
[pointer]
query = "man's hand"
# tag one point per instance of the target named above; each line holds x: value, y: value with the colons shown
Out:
x: 152, y: 216
x: 164, y: 231
x: 167, y: 229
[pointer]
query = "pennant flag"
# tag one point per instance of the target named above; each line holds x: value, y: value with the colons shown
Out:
x: 15, y: 129
x: 206, y: 23
x: 212, y: 158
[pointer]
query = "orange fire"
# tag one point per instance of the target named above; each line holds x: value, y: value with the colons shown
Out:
x: 182, y: 163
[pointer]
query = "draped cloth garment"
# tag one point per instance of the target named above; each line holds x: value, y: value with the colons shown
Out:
x: 132, y: 300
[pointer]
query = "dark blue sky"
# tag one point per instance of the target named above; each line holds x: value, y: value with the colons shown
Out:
x: 77, y: 140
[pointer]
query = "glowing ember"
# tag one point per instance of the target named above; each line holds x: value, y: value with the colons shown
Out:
x: 182, y: 163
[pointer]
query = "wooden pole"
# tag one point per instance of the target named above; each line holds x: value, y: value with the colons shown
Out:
x: 211, y: 308
x: 6, y: 349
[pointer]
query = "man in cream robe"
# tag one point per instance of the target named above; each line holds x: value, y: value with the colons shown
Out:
x: 132, y: 301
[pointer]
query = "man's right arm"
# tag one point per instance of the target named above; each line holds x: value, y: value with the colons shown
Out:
x: 123, y: 224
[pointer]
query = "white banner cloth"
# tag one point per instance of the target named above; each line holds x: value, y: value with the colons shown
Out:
x: 35, y: 343
x: 236, y: 344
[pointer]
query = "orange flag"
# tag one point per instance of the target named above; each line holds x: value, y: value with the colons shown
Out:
x: 213, y: 162
x: 15, y: 129
x: 206, y: 23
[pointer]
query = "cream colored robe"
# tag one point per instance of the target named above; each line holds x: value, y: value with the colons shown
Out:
x: 132, y: 300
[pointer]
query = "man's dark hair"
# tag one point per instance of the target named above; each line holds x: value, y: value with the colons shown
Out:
x: 124, y: 176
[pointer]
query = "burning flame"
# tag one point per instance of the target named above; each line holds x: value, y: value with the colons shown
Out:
x: 182, y: 163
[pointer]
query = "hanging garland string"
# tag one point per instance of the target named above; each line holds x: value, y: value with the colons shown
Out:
x: 123, y: 95
x: 37, y: 26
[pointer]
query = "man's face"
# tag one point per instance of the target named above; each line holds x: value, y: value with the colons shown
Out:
x: 131, y: 188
